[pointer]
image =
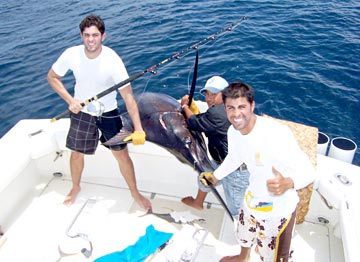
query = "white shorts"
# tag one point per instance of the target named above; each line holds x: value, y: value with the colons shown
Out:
x: 272, y: 236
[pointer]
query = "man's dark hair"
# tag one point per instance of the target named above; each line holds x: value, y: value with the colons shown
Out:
x: 238, y: 89
x: 92, y: 20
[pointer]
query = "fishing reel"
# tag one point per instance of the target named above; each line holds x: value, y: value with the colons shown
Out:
x: 96, y: 107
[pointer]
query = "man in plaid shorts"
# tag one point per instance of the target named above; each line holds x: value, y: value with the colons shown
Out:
x: 96, y: 67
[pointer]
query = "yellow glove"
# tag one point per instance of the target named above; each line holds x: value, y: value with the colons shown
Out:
x: 208, y: 177
x: 138, y: 138
x: 194, y: 108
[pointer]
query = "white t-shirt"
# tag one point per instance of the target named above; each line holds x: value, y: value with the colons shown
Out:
x: 270, y: 143
x: 92, y: 75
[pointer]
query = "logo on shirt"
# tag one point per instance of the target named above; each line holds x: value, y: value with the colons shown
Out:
x: 258, y: 160
x: 257, y: 204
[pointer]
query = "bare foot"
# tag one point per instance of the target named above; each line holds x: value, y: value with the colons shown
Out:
x: 143, y: 202
x: 236, y: 258
x: 190, y: 201
x: 70, y: 198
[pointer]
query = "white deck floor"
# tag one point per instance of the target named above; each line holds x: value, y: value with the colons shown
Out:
x: 42, y: 227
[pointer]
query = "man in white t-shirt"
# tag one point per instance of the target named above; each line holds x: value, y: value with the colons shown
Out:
x: 277, y: 167
x: 96, y: 68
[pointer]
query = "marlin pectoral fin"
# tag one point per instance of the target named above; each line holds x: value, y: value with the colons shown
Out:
x: 119, y: 138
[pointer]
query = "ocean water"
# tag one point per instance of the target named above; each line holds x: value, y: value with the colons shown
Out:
x: 301, y: 57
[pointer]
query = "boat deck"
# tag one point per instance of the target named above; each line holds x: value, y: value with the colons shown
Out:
x: 110, y: 219
x: 38, y: 226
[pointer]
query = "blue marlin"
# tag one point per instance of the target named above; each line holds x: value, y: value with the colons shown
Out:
x: 165, y: 126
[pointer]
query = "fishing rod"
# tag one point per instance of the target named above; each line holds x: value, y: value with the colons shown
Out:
x: 191, y: 95
x: 152, y: 69
x: 193, y: 84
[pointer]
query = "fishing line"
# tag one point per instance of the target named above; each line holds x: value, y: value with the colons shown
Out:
x: 215, y: 38
x: 34, y: 134
x: 203, y: 53
x: 153, y: 69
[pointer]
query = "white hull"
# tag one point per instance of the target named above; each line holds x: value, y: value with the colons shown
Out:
x: 35, y: 222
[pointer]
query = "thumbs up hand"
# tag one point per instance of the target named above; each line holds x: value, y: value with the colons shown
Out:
x: 279, y: 184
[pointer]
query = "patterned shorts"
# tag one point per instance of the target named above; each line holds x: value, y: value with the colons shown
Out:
x: 85, y: 129
x: 272, y: 236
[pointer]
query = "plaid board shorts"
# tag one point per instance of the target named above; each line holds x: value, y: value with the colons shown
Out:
x: 83, y: 135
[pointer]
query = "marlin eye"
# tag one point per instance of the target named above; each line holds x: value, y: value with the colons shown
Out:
x: 187, y: 140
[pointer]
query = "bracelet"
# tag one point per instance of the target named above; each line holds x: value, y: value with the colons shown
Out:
x: 184, y: 105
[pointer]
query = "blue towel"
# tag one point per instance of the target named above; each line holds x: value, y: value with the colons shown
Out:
x: 145, y: 246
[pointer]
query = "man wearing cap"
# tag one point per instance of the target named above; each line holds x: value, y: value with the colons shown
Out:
x: 214, y: 123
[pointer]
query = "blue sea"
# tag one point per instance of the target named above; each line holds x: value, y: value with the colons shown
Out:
x: 302, y: 57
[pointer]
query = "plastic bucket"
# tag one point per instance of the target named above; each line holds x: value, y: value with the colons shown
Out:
x: 343, y: 149
x: 323, y: 142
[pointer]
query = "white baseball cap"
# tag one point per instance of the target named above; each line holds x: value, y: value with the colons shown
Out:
x: 215, y: 85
